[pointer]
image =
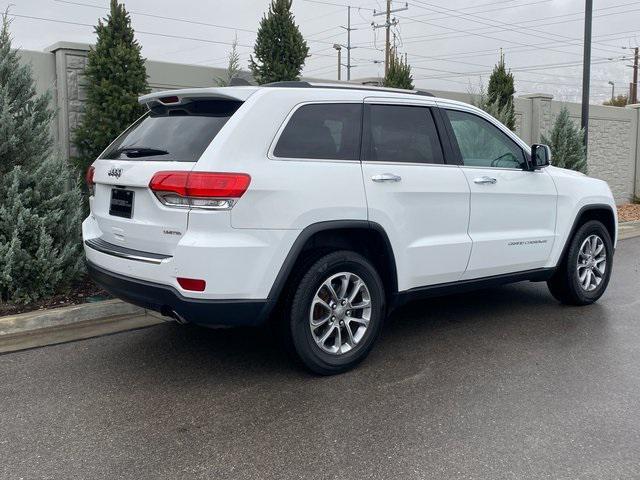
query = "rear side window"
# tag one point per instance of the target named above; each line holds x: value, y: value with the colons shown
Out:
x: 401, y: 133
x: 173, y: 133
x: 323, y: 131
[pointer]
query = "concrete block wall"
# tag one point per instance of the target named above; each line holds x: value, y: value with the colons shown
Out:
x: 612, y: 147
x: 614, y: 133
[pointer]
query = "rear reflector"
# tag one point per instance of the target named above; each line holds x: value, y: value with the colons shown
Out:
x: 89, y: 179
x: 192, y: 284
x: 211, y: 190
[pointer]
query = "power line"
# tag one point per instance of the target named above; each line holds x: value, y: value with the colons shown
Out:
x: 338, y: 4
x: 182, y: 20
x: 453, y: 57
x: 482, y: 35
x: 142, y: 32
x: 512, y: 27
x: 542, y: 21
x: 322, y: 31
x: 603, y: 88
x: 535, y: 46
x: 501, y: 9
x: 151, y: 15
x: 316, y: 17
x: 491, y: 51
x: 526, y: 68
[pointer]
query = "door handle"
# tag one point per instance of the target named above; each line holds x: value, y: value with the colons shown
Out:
x: 386, y: 177
x: 485, y: 179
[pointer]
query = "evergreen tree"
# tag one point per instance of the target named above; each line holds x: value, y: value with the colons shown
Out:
x: 233, y: 66
x: 500, y: 92
x: 116, y: 76
x: 24, y: 116
x: 40, y: 202
x: 280, y: 49
x: 399, y: 72
x: 504, y: 114
x: 567, y: 143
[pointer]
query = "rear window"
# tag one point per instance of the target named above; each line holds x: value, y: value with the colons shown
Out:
x: 173, y: 133
x: 323, y: 131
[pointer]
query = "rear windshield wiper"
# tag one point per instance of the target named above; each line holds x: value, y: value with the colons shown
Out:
x: 135, y: 152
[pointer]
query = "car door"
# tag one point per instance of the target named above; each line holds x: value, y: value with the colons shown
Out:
x: 513, y: 211
x: 420, y: 201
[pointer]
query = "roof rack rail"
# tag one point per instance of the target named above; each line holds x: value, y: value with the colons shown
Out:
x: 353, y: 86
x: 288, y: 84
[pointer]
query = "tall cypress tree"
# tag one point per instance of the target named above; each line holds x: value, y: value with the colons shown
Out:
x: 280, y: 49
x: 500, y: 92
x: 24, y: 116
x: 116, y: 76
x: 399, y: 72
x: 40, y: 202
x: 504, y: 114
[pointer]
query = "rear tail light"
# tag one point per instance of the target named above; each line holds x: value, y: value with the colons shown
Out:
x: 89, y: 179
x: 208, y: 190
x: 193, y: 284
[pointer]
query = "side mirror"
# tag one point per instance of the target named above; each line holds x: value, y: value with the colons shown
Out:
x: 540, y: 156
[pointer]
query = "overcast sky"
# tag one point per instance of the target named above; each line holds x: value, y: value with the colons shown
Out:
x: 451, y: 45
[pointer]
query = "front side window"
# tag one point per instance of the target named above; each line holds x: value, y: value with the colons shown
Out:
x: 177, y: 133
x: 482, y: 144
x: 401, y: 133
x: 328, y: 131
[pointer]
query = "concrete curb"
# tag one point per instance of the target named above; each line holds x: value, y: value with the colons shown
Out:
x: 58, y: 325
x: 628, y: 230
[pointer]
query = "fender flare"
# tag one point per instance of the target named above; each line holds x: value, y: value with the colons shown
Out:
x: 574, y: 226
x: 295, y: 250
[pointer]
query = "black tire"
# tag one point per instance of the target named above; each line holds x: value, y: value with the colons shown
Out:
x: 565, y: 284
x: 297, y: 327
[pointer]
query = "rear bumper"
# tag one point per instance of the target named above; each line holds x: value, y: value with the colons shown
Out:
x: 166, y: 299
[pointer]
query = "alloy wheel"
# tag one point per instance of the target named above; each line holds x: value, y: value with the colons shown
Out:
x: 591, y: 263
x: 340, y: 313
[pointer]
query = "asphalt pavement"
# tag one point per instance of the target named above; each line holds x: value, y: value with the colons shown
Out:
x: 502, y: 383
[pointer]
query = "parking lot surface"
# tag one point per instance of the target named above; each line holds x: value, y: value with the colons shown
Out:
x: 502, y: 383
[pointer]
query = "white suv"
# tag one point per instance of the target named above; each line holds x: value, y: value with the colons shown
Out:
x: 324, y: 207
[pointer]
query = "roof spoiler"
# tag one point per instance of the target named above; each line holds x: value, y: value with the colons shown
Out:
x: 182, y: 96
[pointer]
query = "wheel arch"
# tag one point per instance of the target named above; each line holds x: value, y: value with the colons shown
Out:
x: 362, y: 236
x: 601, y: 212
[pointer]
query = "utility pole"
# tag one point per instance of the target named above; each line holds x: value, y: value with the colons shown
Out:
x: 586, y: 69
x: 338, y: 47
x: 635, y: 77
x: 348, y: 46
x: 633, y: 86
x: 387, y: 46
x: 349, y: 43
x: 389, y: 22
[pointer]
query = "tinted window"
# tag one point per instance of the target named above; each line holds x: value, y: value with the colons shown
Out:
x: 325, y: 131
x: 179, y: 133
x: 402, y: 134
x: 482, y: 144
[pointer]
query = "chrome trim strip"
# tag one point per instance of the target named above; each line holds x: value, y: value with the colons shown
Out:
x: 107, y: 248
